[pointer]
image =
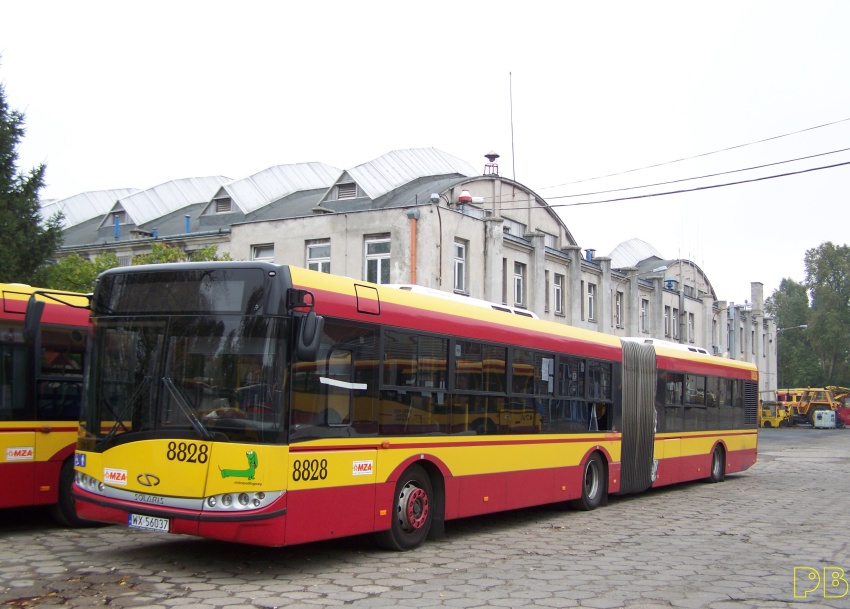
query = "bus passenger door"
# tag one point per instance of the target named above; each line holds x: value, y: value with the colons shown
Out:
x: 331, y: 491
x: 669, y: 455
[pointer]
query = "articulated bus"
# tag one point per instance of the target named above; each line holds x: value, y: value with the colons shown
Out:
x: 273, y: 405
x: 43, y: 337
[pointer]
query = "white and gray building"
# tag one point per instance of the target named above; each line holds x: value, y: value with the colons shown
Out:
x: 424, y: 217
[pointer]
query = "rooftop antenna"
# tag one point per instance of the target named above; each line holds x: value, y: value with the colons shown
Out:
x: 511, y: 95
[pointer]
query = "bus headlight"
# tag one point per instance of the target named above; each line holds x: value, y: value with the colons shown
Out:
x: 239, y: 502
x: 87, y: 483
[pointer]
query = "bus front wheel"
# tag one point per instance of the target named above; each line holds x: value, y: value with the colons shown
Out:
x: 593, y: 485
x: 412, y: 512
x: 63, y: 511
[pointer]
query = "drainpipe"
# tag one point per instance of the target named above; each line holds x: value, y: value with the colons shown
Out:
x: 413, y: 216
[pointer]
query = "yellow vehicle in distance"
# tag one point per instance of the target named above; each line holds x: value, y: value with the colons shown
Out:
x: 774, y: 414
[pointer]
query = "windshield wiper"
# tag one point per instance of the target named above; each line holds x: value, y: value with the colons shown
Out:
x: 187, y: 409
x: 119, y: 417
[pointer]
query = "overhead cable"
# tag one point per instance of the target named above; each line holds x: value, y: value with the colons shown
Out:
x: 708, y: 175
x: 696, y: 156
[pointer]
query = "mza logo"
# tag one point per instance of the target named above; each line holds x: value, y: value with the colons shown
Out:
x: 115, y: 476
x: 808, y: 580
x: 361, y: 468
x: 20, y: 453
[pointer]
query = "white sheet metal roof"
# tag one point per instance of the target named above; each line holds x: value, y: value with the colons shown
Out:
x: 147, y: 205
x: 274, y: 183
x: 84, y: 206
x: 394, y: 169
x: 630, y: 252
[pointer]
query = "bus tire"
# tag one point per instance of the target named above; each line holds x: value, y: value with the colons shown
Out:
x: 718, y: 465
x: 594, y: 485
x: 412, y: 513
x: 63, y: 511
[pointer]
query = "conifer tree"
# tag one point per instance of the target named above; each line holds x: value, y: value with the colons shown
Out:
x: 26, y: 240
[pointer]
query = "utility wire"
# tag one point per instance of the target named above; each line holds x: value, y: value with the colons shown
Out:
x: 505, y: 206
x: 696, y: 156
x: 675, y: 192
x: 708, y: 175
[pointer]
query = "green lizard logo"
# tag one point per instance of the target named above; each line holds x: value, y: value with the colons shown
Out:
x: 243, y: 473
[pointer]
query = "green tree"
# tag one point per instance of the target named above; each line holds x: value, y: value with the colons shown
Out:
x: 828, y: 282
x: 162, y: 252
x: 798, y: 366
x: 27, y: 241
x: 74, y: 273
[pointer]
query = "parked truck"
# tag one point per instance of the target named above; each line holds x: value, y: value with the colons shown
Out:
x: 803, y: 404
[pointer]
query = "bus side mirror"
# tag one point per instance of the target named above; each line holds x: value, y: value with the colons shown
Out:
x: 32, y: 319
x: 309, y: 336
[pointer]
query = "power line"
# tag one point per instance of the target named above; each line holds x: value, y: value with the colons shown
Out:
x: 696, y: 156
x: 675, y: 192
x: 708, y: 175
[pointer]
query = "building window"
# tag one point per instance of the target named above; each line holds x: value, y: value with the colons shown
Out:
x: 504, y: 281
x: 319, y: 255
x: 675, y: 323
x: 378, y: 260
x: 546, y: 291
x: 591, y: 301
x: 346, y: 191
x: 753, y: 341
x: 263, y: 252
x: 519, y: 284
x: 223, y: 206
x: 582, y: 301
x: 644, y: 315
x: 559, y: 294
x: 460, y: 266
x: 741, y: 338
x: 666, y: 321
x: 618, y: 309
x: 690, y: 327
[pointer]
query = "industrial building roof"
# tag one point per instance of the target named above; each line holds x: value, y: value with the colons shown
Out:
x: 84, y: 206
x: 147, y: 205
x: 394, y: 169
x: 272, y: 184
x: 630, y: 252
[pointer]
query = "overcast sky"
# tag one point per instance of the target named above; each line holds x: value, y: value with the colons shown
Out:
x: 133, y: 94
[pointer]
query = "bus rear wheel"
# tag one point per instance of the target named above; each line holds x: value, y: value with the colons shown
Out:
x: 593, y: 485
x: 412, y: 512
x: 718, y: 465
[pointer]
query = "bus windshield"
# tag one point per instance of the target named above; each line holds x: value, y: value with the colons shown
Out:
x: 204, y: 377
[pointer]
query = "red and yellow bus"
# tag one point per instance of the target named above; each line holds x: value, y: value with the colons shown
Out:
x: 272, y: 405
x: 42, y: 349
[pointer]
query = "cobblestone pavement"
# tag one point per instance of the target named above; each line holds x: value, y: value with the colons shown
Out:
x: 730, y: 545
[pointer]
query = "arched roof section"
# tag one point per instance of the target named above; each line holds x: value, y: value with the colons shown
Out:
x: 272, y: 184
x: 84, y: 206
x: 532, y: 196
